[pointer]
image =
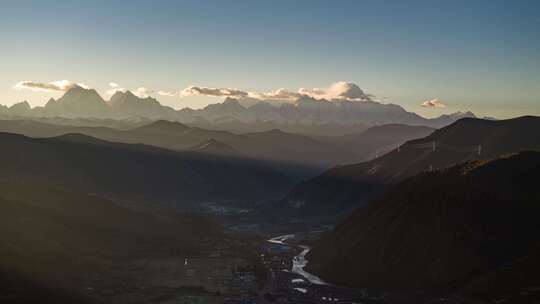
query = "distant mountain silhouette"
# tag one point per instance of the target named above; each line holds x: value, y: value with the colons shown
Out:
x: 21, y: 108
x: 76, y: 102
x: 136, y: 172
x: 378, y: 140
x: 115, y: 123
x: 126, y: 104
x: 275, y: 146
x: 447, y: 119
x: 311, y: 115
x: 320, y: 130
x: 441, y: 230
x: 344, y: 187
x: 283, y: 146
x: 309, y: 111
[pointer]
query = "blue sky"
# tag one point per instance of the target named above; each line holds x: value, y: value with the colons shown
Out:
x: 472, y: 55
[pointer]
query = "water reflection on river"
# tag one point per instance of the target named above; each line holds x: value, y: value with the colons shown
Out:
x: 299, y: 261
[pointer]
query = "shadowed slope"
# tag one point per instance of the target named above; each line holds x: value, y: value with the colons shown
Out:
x: 439, y: 229
x: 51, y: 240
x: 135, y: 172
x: 344, y: 187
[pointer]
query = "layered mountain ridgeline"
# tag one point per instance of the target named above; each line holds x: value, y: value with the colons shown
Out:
x: 446, y: 230
x: 282, y: 146
x: 52, y: 240
x: 306, y: 111
x: 321, y: 130
x: 301, y: 114
x: 137, y: 172
x: 378, y: 140
x: 273, y: 145
x: 342, y: 188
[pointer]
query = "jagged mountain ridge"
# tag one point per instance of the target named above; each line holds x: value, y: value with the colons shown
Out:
x: 126, y: 104
x: 87, y: 103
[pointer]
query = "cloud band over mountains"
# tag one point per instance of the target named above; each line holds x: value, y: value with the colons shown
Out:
x: 305, y: 106
x: 223, y: 92
x: 341, y: 90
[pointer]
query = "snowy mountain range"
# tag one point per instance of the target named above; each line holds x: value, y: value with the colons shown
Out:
x: 79, y: 102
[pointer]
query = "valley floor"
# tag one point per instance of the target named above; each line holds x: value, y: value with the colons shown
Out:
x: 219, y: 269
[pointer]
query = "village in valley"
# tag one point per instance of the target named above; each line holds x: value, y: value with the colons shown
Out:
x: 239, y: 268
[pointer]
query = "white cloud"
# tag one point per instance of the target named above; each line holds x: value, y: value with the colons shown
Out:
x: 142, y: 92
x: 115, y: 87
x: 53, y: 86
x: 114, y: 90
x: 434, y: 103
x: 338, y: 91
x: 167, y: 93
x: 280, y: 94
x: 221, y: 92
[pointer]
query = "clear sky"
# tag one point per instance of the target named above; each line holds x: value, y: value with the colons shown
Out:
x: 482, y: 56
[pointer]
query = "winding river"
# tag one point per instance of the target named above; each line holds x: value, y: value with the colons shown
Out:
x: 299, y: 261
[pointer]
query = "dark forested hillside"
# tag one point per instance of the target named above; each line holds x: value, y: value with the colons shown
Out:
x: 136, y: 172
x: 51, y: 240
x: 438, y: 230
x: 345, y: 187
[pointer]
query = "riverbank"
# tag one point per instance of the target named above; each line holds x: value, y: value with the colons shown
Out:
x: 290, y: 283
x: 299, y: 261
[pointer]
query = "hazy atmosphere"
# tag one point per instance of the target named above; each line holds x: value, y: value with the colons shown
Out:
x: 269, y: 152
x: 481, y: 56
